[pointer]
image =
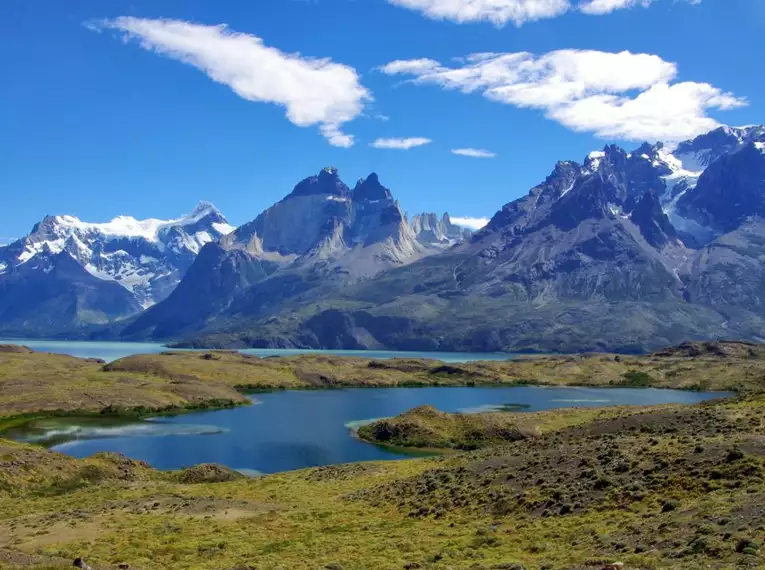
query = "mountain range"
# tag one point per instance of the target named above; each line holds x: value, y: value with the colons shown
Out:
x: 625, y: 251
x: 68, y: 276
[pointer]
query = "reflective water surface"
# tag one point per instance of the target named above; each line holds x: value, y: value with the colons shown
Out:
x: 296, y: 429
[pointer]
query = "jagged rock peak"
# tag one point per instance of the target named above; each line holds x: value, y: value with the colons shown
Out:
x: 615, y: 154
x: 648, y: 149
x: 369, y: 189
x: 430, y: 229
x: 706, y: 148
x: 326, y: 182
x: 564, y: 169
x: 204, y: 208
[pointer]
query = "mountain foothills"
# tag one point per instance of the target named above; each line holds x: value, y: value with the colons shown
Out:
x: 627, y: 251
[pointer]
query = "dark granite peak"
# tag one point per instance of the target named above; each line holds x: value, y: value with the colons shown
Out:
x: 327, y: 181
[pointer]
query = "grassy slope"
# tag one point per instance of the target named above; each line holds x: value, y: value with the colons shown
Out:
x: 677, y: 487
x: 38, y: 382
x: 670, y: 487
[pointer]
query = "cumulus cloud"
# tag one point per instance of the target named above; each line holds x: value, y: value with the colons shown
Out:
x: 474, y: 152
x: 500, y: 12
x: 614, y: 95
x: 401, y: 143
x: 313, y: 91
x: 599, y: 7
x: 472, y: 223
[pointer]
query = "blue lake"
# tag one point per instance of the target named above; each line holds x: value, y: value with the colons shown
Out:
x: 110, y: 351
x: 289, y: 430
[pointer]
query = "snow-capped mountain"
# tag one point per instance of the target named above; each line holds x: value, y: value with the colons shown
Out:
x: 680, y: 169
x: 626, y: 250
x: 146, y: 257
x: 699, y: 153
x: 685, y: 165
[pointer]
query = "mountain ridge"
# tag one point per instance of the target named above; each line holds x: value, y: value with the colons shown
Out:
x: 590, y: 259
x: 624, y: 251
x: 345, y: 236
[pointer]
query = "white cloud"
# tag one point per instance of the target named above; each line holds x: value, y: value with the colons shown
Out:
x: 474, y: 152
x: 500, y: 12
x: 313, y: 91
x: 401, y: 144
x: 589, y: 91
x: 599, y: 7
x: 472, y: 223
x: 664, y: 112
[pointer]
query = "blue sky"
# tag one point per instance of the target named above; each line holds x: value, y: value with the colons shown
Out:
x: 144, y: 107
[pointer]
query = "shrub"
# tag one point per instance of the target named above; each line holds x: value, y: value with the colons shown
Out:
x: 638, y: 379
x: 602, y: 483
x: 747, y: 546
x: 670, y: 505
x: 734, y: 455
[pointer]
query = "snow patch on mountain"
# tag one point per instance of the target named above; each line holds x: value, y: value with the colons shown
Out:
x: 594, y: 160
x: 683, y: 177
x: 223, y: 228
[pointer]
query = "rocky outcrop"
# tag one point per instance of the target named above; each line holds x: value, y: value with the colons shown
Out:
x: 432, y: 231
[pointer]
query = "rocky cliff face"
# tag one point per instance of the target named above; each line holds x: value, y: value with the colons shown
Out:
x: 322, y: 235
x: 322, y: 220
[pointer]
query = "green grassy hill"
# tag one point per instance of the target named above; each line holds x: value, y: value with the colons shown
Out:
x: 676, y: 487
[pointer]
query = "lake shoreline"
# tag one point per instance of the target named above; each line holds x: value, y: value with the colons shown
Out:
x: 293, y: 429
x: 140, y: 414
x: 173, y: 383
